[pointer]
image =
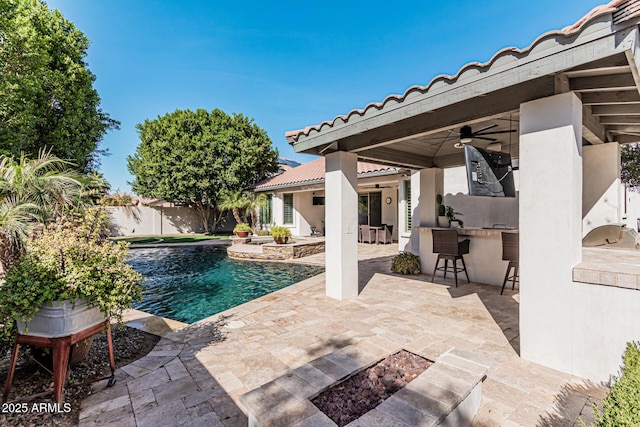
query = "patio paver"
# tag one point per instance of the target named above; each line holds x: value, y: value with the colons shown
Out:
x: 196, y: 375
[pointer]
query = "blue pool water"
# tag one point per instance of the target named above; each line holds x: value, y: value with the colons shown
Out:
x: 190, y: 283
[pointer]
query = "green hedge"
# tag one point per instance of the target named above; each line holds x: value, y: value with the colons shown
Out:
x: 621, y: 407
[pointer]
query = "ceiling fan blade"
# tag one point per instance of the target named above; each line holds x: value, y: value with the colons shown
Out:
x: 485, y: 138
x: 494, y: 132
x: 621, y: 132
x: 484, y: 128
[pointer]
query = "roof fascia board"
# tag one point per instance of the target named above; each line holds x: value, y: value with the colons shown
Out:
x: 508, y: 67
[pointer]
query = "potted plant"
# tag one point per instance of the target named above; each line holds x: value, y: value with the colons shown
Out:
x: 242, y: 230
x: 443, y: 221
x: 70, y: 277
x: 452, y: 216
x: 280, y: 234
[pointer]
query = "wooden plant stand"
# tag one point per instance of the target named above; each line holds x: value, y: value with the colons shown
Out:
x: 61, y: 347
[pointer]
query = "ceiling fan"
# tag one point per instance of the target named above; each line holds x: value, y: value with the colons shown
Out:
x: 467, y: 134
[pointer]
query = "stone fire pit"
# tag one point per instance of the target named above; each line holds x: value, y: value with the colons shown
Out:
x: 447, y: 393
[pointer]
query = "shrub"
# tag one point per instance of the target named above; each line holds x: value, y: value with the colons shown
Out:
x: 263, y: 233
x: 68, y: 260
x: 406, y: 263
x: 243, y: 226
x: 621, y: 407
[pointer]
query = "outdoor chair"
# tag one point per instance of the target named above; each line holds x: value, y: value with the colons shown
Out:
x: 384, y: 235
x: 367, y: 234
x: 448, y: 248
x: 511, y: 253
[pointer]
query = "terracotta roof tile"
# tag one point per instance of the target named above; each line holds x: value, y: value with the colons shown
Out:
x: 313, y: 171
x: 627, y: 7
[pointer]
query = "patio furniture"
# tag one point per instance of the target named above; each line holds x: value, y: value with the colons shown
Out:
x: 448, y: 248
x: 384, y: 235
x: 367, y: 234
x: 511, y: 253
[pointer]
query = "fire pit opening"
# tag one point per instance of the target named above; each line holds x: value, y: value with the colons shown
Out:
x: 354, y: 397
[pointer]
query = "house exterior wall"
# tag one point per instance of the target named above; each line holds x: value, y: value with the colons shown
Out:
x: 306, y: 213
x: 390, y: 211
x: 479, y: 211
x: 277, y: 214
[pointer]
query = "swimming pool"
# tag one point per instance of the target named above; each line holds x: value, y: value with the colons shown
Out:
x: 190, y: 283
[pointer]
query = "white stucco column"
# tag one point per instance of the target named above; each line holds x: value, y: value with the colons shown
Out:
x: 341, y: 217
x: 550, y: 226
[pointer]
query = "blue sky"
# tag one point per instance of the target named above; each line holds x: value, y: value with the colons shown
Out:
x: 286, y: 64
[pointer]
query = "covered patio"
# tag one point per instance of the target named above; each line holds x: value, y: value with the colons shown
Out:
x: 572, y: 97
x: 196, y: 375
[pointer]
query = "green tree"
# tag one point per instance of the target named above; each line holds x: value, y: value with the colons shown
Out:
x: 630, y: 171
x: 46, y: 89
x: 194, y: 157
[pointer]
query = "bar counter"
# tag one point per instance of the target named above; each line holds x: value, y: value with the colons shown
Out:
x: 484, y: 260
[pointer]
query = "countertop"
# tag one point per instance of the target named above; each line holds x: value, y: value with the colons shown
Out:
x: 474, y: 231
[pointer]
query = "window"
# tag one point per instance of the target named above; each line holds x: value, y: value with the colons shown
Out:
x: 265, y: 210
x: 407, y: 199
x: 288, y: 208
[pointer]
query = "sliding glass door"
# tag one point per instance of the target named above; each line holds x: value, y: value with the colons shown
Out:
x: 370, y: 209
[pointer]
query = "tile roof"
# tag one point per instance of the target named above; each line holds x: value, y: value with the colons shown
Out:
x: 313, y: 172
x: 622, y: 10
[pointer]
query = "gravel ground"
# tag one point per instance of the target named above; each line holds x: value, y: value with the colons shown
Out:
x: 364, y: 391
x: 33, y: 384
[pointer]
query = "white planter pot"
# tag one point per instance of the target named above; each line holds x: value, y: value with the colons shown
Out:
x: 455, y: 224
x: 443, y: 221
x: 61, y: 319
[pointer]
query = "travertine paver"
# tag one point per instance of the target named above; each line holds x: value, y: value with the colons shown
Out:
x: 278, y: 333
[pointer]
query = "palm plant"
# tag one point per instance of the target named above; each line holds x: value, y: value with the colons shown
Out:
x: 235, y: 201
x: 254, y: 202
x: 31, y: 192
x: 243, y: 203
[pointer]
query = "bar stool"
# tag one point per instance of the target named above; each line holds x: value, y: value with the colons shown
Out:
x: 511, y: 253
x: 447, y: 246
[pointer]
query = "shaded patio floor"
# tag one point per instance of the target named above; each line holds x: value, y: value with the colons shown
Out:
x: 195, y: 375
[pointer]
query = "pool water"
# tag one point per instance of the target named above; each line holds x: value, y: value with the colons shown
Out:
x: 190, y: 283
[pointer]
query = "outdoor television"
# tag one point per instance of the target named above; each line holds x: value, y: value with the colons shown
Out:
x: 489, y: 173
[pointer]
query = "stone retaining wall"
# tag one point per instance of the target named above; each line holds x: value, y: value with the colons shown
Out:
x: 275, y: 252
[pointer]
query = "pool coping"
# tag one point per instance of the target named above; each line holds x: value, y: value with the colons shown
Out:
x: 151, y: 323
x: 210, y: 242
